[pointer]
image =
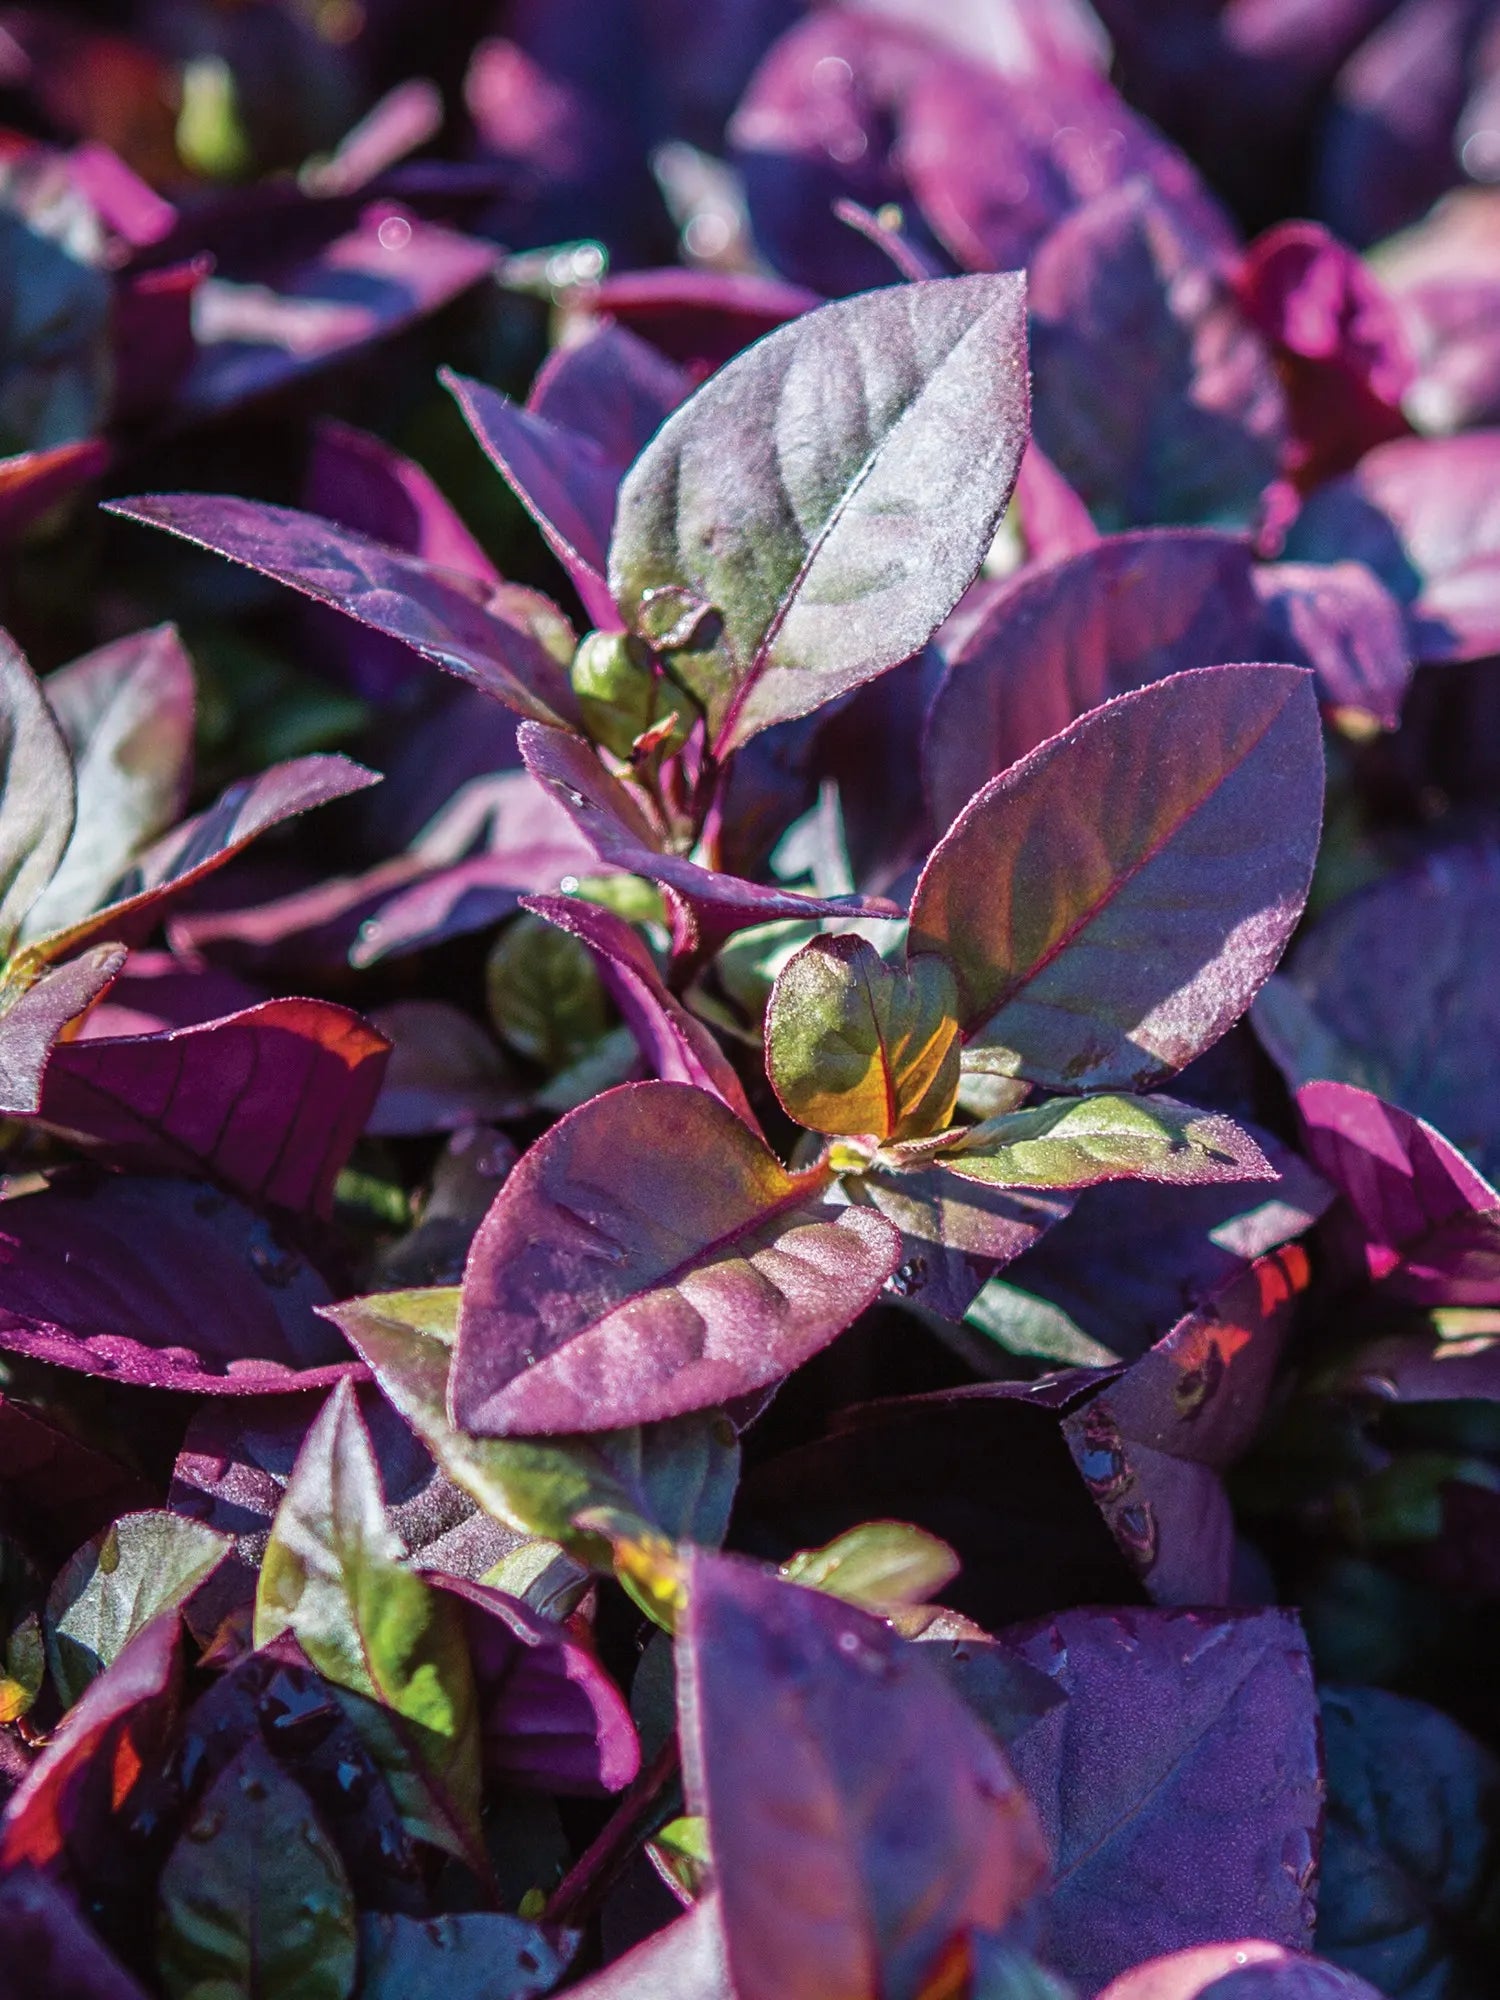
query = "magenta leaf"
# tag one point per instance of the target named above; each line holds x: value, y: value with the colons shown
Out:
x: 50, y: 1948
x: 700, y: 318
x: 269, y: 1101
x: 1425, y: 1221
x: 647, y: 1257
x: 888, y: 1822
x: 166, y: 1283
x: 1095, y: 946
x: 512, y: 643
x: 1200, y: 1827
x: 611, y: 387
x: 811, y: 515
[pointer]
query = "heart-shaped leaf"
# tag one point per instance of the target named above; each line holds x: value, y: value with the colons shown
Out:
x: 647, y: 1257
x: 254, y: 1898
x: 117, y: 1583
x: 333, y: 1575
x: 815, y: 511
x: 1111, y: 903
x: 512, y: 643
x: 856, y: 1046
x: 886, y: 1825
x: 1079, y: 1142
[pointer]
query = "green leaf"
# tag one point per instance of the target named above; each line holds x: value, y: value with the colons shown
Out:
x: 254, y: 1903
x: 682, y: 1849
x: 674, y: 1479
x: 23, y: 1668
x: 333, y: 1575
x: 812, y: 514
x: 858, y: 1047
x: 139, y: 1566
x: 1077, y: 1142
x: 544, y: 992
x: 880, y: 1564
x: 37, y: 799
x: 475, y: 1956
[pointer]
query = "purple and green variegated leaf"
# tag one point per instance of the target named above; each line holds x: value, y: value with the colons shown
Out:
x: 615, y: 822
x: 1112, y: 902
x: 33, y: 1015
x: 1199, y: 1827
x: 1243, y: 1969
x: 254, y: 1896
x: 673, y: 1479
x: 504, y: 1958
x: 119, y: 1581
x: 610, y: 386
x: 511, y: 643
x: 37, y: 797
x: 1156, y: 398
x: 1422, y: 514
x: 333, y: 1575
x: 1416, y: 1215
x: 269, y: 1101
x: 126, y: 713
x: 50, y: 1948
x: 58, y: 1814
x: 650, y: 1256
x: 1075, y: 1143
x: 550, y: 1718
x: 814, y: 512
x: 856, y: 1046
x: 1151, y: 1444
x: 888, y: 1823
x: 169, y: 1284
x: 679, y: 1048
x: 563, y: 478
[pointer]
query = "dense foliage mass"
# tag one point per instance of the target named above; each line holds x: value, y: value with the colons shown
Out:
x: 788, y: 1289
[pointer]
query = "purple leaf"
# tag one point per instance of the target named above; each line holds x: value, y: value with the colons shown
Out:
x: 1065, y: 637
x: 1151, y: 1444
x: 1202, y: 1825
x: 1421, y: 513
x: 1155, y: 397
x: 686, y: 1961
x: 1340, y: 620
x: 34, y: 1018
x: 388, y: 271
x: 1248, y: 1969
x: 1169, y: 836
x: 886, y: 1826
x: 445, y: 1072
x: 647, y: 1257
x: 407, y: 117
x: 57, y: 1815
x: 676, y: 1043
x: 611, y: 387
x: 551, y: 1719
x: 562, y: 478
x: 1426, y: 1223
x: 1054, y: 521
x: 270, y: 1101
x: 50, y: 1948
x: 1443, y: 277
x: 613, y: 820
x: 955, y: 1233
x: 60, y: 1488
x: 163, y: 1283
x: 36, y: 792
x: 509, y: 642
x: 33, y: 482
x: 817, y: 509
x: 698, y: 318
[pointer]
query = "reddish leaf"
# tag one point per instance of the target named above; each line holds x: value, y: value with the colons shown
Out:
x: 34, y: 481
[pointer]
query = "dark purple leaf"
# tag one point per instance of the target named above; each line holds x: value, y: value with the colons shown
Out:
x: 1421, y: 513
x: 56, y: 1817
x: 160, y: 989
x: 388, y: 271
x: 1043, y: 879
x: 270, y: 1101
x: 1199, y: 1826
x: 1340, y: 620
x: 36, y: 792
x: 445, y: 1072
x: 33, y: 482
x: 699, y: 318
x: 612, y: 387
x: 164, y: 1283
x: 679, y: 1048
x: 511, y: 643
x: 886, y: 1825
x: 1155, y: 397
x: 955, y: 1233
x: 815, y: 511
x: 647, y: 1257
x: 614, y: 821
x: 1249, y: 1969
x: 550, y: 1717
x: 1054, y: 521
x: 36, y: 1015
x: 61, y: 1488
x: 1151, y: 1444
x: 49, y: 1948
x: 1424, y: 1220
x: 562, y: 477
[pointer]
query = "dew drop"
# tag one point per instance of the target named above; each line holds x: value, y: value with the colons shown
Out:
x: 908, y: 1278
